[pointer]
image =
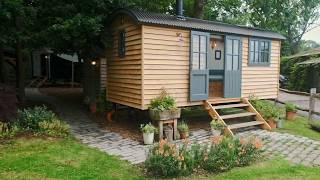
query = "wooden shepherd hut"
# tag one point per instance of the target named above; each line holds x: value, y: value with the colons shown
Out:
x: 198, y: 62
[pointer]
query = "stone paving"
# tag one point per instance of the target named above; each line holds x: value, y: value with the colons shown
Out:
x: 293, y: 148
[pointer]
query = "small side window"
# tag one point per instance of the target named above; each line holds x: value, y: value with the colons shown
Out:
x: 122, y: 44
x: 259, y: 52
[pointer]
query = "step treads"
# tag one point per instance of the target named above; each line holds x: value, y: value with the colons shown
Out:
x: 246, y: 124
x: 230, y: 106
x: 230, y: 116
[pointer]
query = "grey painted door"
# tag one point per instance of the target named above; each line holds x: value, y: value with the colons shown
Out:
x: 232, y: 71
x: 199, y: 73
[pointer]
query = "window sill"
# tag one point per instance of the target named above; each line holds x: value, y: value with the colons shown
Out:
x: 259, y: 64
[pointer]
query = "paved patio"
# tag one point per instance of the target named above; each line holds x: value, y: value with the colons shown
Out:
x: 293, y: 148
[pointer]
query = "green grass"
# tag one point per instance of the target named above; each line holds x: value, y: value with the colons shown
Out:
x: 272, y: 169
x: 300, y: 126
x: 43, y: 158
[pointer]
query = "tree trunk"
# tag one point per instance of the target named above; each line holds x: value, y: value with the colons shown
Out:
x: 2, y: 75
x: 20, y: 73
x: 198, y: 8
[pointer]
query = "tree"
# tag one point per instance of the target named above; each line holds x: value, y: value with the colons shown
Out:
x: 291, y: 18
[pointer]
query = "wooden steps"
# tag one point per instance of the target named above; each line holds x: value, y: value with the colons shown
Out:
x: 231, y: 106
x: 245, y: 124
x: 238, y: 115
x: 242, y: 118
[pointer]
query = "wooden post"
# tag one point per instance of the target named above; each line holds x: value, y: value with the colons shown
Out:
x: 313, y: 92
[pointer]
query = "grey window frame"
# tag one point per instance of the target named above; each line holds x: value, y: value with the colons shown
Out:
x: 122, y: 43
x: 259, y: 63
x: 200, y: 52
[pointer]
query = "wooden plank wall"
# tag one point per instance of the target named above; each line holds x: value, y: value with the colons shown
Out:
x: 103, y: 73
x: 166, y: 63
x: 124, y: 75
x: 261, y: 81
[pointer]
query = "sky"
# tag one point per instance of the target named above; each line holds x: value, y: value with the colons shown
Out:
x: 314, y: 34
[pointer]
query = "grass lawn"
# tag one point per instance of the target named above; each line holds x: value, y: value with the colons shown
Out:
x: 300, y: 126
x: 43, y: 158
x: 271, y: 169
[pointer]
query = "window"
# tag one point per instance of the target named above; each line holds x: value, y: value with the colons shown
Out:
x: 259, y: 51
x: 122, y: 44
x: 199, y: 52
x: 232, y: 54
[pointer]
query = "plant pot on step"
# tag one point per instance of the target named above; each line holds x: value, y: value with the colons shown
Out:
x: 158, y: 115
x: 148, y: 138
x: 215, y: 132
x: 280, y: 124
x: 184, y: 134
x: 291, y: 115
x: 272, y: 123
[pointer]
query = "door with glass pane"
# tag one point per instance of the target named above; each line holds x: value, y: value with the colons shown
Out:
x: 232, y: 71
x: 199, y: 73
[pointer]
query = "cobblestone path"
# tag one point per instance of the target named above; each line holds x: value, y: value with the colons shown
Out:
x: 293, y: 148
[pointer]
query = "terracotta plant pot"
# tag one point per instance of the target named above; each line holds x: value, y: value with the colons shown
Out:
x: 272, y: 123
x: 291, y: 115
x: 184, y: 135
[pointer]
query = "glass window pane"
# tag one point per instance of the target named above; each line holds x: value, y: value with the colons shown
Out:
x: 229, y: 46
x: 256, y: 46
x: 235, y: 47
x: 251, y: 45
x: 203, y: 44
x: 252, y: 57
x: 195, y: 43
x: 262, y: 57
x: 266, y: 56
x: 235, y: 64
x: 195, y: 61
x: 267, y: 46
x: 229, y: 62
x: 261, y: 45
x: 203, y: 63
x: 256, y: 57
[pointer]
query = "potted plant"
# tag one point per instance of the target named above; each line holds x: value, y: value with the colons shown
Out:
x: 183, y: 130
x: 216, y: 127
x: 163, y: 107
x: 291, y: 111
x: 148, y: 131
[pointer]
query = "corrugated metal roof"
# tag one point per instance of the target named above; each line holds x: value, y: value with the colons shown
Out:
x: 197, y: 24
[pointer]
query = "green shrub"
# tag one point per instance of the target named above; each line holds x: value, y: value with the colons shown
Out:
x: 290, y: 107
x: 30, y: 118
x: 217, y: 125
x: 7, y: 130
x: 266, y: 108
x: 165, y: 159
x: 226, y: 153
x: 163, y: 102
x: 315, y: 124
x: 148, y: 128
x: 183, y: 127
x: 54, y: 128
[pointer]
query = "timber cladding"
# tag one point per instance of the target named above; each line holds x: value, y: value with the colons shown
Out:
x: 124, y: 74
x: 261, y: 81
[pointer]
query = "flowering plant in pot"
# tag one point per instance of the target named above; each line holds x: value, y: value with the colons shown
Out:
x: 163, y: 107
x: 148, y: 131
x: 291, y: 111
x: 216, y: 127
x: 183, y: 130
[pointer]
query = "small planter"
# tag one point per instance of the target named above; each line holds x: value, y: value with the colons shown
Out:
x: 184, y: 135
x: 157, y: 115
x: 280, y: 124
x: 272, y: 123
x: 148, y: 138
x: 215, y: 132
x: 291, y: 115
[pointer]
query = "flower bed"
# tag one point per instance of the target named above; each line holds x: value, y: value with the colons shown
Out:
x: 222, y: 154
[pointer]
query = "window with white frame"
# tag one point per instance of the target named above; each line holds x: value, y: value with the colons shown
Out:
x: 259, y: 51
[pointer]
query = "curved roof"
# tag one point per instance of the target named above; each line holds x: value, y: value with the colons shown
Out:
x: 142, y: 17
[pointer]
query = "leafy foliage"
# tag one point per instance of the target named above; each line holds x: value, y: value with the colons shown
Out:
x: 30, y: 118
x: 266, y: 109
x: 165, y: 159
x: 183, y: 127
x: 163, y: 102
x: 54, y: 128
x: 290, y: 107
x: 217, y: 125
x: 7, y: 130
x: 148, y: 128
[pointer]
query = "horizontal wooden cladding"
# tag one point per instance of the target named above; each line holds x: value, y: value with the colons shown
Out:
x: 127, y: 67
x: 166, y: 47
x: 126, y: 103
x: 167, y: 67
x: 123, y: 76
x: 164, y: 31
x: 148, y: 41
x: 166, y: 82
x: 165, y: 71
x: 127, y: 81
x: 166, y: 52
x: 125, y: 62
x: 166, y: 76
x: 166, y: 57
x: 122, y: 85
x: 125, y: 94
x: 165, y: 62
x: 166, y: 86
x: 124, y: 72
